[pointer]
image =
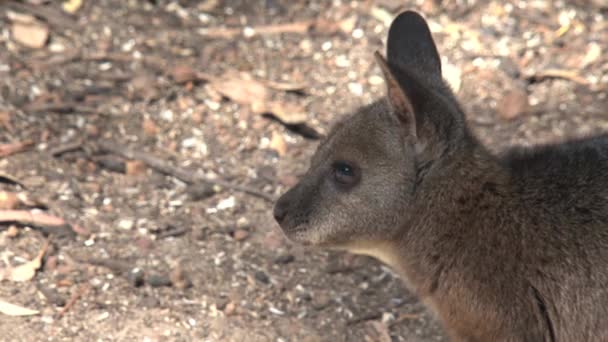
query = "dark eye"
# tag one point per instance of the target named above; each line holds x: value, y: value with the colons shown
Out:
x: 345, y: 173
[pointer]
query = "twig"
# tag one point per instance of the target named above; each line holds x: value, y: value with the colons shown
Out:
x: 82, y: 290
x: 162, y: 166
x: 558, y: 73
x: 48, y: 14
x: 173, y: 233
x: 12, y: 148
x: 42, y: 220
x: 30, y: 217
x: 228, y: 32
x: 61, y: 108
x: 68, y: 147
x: 404, y: 317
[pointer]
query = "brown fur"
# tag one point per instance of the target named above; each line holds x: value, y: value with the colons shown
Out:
x: 501, y: 248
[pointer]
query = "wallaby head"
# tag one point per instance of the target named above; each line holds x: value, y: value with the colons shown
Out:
x: 361, y: 184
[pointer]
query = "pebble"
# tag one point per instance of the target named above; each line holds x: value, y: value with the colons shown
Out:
x: 135, y: 277
x: 262, y: 277
x: 199, y: 192
x: 158, y: 280
x: 284, y: 259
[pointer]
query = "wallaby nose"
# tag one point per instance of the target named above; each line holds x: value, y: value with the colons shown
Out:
x: 280, y: 210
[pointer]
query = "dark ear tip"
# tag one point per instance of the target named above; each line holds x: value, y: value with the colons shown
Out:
x: 412, y: 20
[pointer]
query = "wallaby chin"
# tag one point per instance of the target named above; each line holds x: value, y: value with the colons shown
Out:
x: 500, y: 249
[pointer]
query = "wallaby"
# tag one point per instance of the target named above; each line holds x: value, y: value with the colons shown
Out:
x: 500, y: 248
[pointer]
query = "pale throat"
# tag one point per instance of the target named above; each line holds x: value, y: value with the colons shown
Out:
x: 385, y: 252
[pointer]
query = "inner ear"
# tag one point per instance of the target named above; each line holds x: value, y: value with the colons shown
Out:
x: 398, y: 99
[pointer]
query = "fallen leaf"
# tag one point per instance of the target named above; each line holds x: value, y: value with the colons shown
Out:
x: 5, y: 120
x: 33, y: 35
x: 286, y: 86
x: 286, y: 113
x: 242, y: 89
x: 71, y: 6
x: 347, y: 25
x: 277, y: 143
x: 28, y: 270
x: 15, y: 310
x: 513, y: 104
x: 183, y: 73
x: 594, y: 51
x: 208, y: 5
x: 377, y: 332
x: 382, y: 15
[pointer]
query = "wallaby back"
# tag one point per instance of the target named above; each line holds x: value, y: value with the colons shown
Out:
x: 501, y: 248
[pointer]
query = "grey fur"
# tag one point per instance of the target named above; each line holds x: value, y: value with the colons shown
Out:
x: 501, y: 248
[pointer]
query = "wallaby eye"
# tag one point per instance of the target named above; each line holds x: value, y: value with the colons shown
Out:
x: 345, y: 173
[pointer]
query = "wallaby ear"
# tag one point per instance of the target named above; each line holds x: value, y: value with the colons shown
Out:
x: 410, y: 47
x: 401, y: 103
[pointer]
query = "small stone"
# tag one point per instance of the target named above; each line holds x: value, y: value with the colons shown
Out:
x: 240, y: 234
x: 222, y: 303
x: 284, y: 259
x: 230, y: 309
x: 201, y: 191
x: 12, y: 232
x: 262, y: 277
x: 149, y: 302
x: 135, y: 277
x: 158, y: 280
x: 320, y: 302
x: 126, y: 224
x: 9, y: 200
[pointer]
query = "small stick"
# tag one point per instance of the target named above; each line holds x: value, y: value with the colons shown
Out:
x: 162, y: 166
x: 12, y: 148
x: 69, y: 147
x: 30, y: 217
x: 82, y: 290
x: 226, y: 32
x: 559, y: 73
x: 62, y: 108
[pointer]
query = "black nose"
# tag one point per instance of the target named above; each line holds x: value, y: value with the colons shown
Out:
x: 280, y: 210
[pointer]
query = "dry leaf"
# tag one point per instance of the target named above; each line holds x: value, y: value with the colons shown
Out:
x: 242, y: 89
x: 513, y: 104
x: 183, y: 73
x: 15, y: 310
x: 594, y: 51
x: 71, y: 6
x: 382, y: 15
x: 208, y: 5
x: 33, y: 35
x: 287, y: 113
x: 347, y: 25
x: 286, y: 86
x: 277, y: 143
x: 28, y: 270
x: 9, y: 200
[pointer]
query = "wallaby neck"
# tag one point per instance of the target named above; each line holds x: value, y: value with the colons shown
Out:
x: 448, y: 202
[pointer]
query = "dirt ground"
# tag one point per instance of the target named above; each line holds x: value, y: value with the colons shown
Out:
x: 236, y: 92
